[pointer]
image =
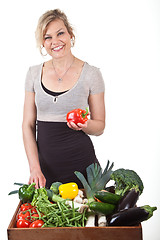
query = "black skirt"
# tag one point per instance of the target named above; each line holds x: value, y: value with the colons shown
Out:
x: 63, y: 151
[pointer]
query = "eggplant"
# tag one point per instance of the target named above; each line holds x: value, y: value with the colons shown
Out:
x: 128, y: 200
x: 131, y: 216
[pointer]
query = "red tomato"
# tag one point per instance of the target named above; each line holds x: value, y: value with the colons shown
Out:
x: 24, y: 214
x: 33, y: 210
x: 34, y: 217
x: 36, y: 224
x: 22, y: 223
x: 26, y: 206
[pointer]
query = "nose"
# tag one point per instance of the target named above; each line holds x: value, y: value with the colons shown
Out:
x: 55, y: 41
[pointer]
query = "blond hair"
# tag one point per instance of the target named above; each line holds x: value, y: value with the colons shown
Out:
x: 43, y: 22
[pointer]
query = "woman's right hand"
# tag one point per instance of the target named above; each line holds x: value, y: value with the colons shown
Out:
x: 38, y: 178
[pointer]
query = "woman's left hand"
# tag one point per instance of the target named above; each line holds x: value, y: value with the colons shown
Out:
x: 78, y: 126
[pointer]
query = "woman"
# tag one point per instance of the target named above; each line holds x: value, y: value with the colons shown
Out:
x: 55, y: 148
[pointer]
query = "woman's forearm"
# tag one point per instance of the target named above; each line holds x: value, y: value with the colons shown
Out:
x: 29, y: 139
x: 94, y: 127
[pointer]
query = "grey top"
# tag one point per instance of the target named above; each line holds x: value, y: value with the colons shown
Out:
x: 54, y: 109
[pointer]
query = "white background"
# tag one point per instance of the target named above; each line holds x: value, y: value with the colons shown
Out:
x: 120, y: 37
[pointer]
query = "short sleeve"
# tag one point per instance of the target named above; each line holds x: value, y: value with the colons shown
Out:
x: 97, y: 82
x: 29, y: 83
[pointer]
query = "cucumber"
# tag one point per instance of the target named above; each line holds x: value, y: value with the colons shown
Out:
x: 100, y: 207
x: 107, y: 197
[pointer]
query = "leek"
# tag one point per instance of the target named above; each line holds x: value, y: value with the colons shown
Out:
x: 102, y: 220
x: 90, y: 221
x: 96, y: 179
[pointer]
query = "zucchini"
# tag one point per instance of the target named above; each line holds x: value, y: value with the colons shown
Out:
x: 107, y: 197
x: 100, y: 207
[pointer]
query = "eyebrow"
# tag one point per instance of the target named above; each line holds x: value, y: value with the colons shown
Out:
x: 59, y: 30
x: 47, y: 34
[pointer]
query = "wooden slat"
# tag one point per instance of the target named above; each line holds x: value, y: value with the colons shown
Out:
x: 13, y: 220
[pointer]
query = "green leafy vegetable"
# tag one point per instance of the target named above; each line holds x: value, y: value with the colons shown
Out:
x: 126, y: 180
x: 97, y: 179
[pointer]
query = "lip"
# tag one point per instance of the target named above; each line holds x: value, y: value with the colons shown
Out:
x: 58, y: 48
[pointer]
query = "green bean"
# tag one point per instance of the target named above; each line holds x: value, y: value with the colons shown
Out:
x: 61, y: 214
x: 39, y: 214
x: 65, y: 206
x: 69, y: 225
x: 34, y: 218
x: 44, y: 225
x: 75, y: 218
x: 83, y: 217
x: 73, y: 210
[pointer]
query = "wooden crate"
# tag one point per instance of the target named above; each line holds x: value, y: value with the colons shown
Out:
x: 72, y: 233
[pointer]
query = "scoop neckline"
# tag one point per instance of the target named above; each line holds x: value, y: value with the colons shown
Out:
x: 69, y: 90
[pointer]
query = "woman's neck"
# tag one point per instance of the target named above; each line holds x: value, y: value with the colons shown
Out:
x: 61, y: 64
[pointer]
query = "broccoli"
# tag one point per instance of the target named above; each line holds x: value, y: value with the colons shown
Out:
x: 125, y: 180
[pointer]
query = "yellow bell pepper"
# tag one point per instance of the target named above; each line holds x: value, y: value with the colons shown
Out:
x: 68, y: 190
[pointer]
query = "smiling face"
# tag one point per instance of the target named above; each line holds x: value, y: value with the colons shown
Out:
x: 57, y: 40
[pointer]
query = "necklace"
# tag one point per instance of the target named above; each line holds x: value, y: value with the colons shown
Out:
x: 60, y: 79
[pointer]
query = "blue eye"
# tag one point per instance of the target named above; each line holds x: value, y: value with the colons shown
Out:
x: 60, y: 33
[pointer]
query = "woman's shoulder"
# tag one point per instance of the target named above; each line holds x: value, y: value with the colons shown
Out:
x: 35, y: 70
x: 95, y: 79
x: 86, y: 65
x: 92, y: 68
x: 36, y: 67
